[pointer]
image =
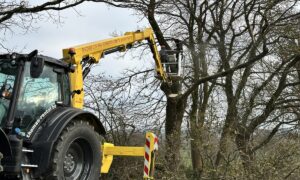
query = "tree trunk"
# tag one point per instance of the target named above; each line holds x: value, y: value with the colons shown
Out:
x: 196, y: 151
x: 174, y: 115
x: 196, y: 124
x: 224, y: 142
x: 246, y: 154
x: 227, y: 136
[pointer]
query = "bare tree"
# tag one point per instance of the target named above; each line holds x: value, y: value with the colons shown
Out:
x: 243, y: 48
x: 229, y: 39
x: 22, y: 14
x: 200, y: 25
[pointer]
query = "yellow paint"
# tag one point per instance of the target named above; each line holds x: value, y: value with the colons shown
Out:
x: 106, y: 159
x: 124, y: 151
x: 109, y: 151
x: 96, y: 50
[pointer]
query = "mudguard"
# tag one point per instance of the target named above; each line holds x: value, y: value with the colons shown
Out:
x: 46, y: 134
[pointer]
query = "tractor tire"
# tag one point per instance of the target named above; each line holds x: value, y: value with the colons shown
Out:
x: 77, y: 153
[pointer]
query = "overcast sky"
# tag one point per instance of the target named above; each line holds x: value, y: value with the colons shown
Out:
x: 96, y: 21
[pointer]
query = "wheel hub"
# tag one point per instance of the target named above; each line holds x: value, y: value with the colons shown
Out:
x: 75, y: 161
x: 69, y: 163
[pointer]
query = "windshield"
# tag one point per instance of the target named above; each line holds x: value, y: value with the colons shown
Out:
x: 37, y: 95
x: 8, y: 71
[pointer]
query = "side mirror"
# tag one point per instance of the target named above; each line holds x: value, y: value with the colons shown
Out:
x: 37, y: 64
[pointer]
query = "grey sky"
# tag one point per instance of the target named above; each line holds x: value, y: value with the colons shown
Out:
x: 95, y: 22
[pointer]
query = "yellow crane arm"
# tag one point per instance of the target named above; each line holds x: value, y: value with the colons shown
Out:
x: 96, y: 50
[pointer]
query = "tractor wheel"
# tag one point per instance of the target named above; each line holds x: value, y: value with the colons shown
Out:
x: 77, y: 153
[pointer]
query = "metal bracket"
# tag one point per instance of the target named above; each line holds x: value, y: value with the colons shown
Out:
x: 148, y: 152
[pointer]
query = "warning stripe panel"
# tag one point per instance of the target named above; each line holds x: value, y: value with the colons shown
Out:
x: 147, y: 156
x: 151, y: 139
x: 147, y: 143
x: 146, y: 170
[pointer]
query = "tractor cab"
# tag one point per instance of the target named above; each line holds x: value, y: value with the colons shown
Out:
x: 30, y: 87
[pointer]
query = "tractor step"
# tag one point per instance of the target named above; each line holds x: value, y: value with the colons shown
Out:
x: 29, y: 166
x: 24, y: 150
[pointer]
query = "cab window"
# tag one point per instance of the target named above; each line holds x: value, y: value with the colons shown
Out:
x: 37, y: 95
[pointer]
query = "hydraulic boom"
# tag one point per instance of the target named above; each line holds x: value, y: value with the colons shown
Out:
x: 83, y: 56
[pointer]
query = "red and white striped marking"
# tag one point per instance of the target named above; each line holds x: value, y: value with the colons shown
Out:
x: 147, y: 158
x: 147, y: 163
x: 155, y: 142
